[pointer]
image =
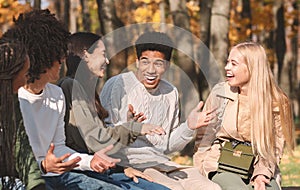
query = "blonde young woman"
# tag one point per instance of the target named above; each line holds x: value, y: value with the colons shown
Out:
x: 252, y: 108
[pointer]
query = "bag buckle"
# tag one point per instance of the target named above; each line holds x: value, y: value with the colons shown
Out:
x: 237, y: 153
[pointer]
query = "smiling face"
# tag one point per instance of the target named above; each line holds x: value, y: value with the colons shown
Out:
x: 97, y: 60
x: 21, y: 77
x: 151, y: 66
x: 237, y: 72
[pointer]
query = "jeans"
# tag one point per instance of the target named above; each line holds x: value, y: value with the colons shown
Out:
x: 92, y: 180
x: 121, y: 180
x: 76, y: 180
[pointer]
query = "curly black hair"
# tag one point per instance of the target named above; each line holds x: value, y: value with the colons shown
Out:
x: 154, y: 41
x: 45, y: 38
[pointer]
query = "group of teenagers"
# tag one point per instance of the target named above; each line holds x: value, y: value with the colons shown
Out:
x: 61, y: 133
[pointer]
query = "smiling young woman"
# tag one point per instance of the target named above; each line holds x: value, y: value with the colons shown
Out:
x: 252, y: 109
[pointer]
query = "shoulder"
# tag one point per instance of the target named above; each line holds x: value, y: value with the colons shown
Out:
x: 53, y: 90
x: 223, y: 89
x: 167, y: 86
x: 65, y: 82
x: 168, y: 89
x: 124, y: 81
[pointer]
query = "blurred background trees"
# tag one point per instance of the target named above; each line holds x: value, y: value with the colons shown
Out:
x: 219, y: 24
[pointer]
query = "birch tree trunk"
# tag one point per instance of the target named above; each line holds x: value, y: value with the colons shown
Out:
x: 219, y: 32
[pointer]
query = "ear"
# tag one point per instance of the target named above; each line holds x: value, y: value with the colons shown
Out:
x: 168, y: 64
x: 85, y: 54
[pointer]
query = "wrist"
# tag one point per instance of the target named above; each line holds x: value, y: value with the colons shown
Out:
x: 43, y: 166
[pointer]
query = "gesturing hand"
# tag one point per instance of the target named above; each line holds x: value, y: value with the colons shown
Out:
x: 132, y: 116
x: 260, y: 182
x: 101, y: 162
x: 57, y: 165
x: 134, y: 174
x: 150, y: 129
x: 199, y: 119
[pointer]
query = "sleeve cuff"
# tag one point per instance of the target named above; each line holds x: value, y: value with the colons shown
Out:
x: 261, y: 171
x: 134, y: 127
x: 186, y: 132
x: 85, y: 162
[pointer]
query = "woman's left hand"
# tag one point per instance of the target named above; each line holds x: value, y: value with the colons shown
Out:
x: 134, y: 174
x: 260, y: 182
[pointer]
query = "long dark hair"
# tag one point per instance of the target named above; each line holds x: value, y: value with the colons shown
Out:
x: 12, y: 59
x: 78, y: 42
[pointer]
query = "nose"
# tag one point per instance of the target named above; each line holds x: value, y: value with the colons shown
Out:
x: 151, y: 68
x: 106, y: 61
x: 227, y: 66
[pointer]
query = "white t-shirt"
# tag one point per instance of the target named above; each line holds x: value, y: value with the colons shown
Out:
x: 43, y: 116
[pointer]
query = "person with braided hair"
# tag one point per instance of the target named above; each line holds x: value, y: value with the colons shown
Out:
x: 18, y: 167
x: 43, y: 106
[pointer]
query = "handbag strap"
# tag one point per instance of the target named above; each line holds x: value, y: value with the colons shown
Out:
x: 221, y: 113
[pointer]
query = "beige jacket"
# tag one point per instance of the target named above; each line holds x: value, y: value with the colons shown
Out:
x: 207, y: 154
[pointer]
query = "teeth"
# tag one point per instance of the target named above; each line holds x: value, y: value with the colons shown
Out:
x: 150, y: 78
x: 229, y: 75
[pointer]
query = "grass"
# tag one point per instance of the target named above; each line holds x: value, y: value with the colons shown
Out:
x: 290, y: 169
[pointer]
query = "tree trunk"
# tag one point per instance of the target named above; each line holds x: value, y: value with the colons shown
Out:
x: 73, y: 16
x: 184, y: 58
x: 202, y: 55
x: 67, y: 13
x: 110, y: 22
x: 219, y: 32
x: 280, y: 44
x: 86, y: 20
x: 184, y: 54
x: 293, y: 59
x: 246, y: 14
x: 37, y: 4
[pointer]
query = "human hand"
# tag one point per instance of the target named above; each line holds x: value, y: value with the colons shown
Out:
x: 150, y: 129
x: 101, y: 162
x: 197, y: 119
x: 132, y: 116
x: 260, y: 182
x: 134, y: 174
x: 57, y: 165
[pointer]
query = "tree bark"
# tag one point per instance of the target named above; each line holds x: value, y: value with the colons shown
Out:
x: 86, y: 20
x: 219, y: 32
x: 110, y: 22
x: 280, y: 43
x: 37, y: 4
x: 202, y: 56
x: 67, y: 13
x: 184, y: 54
x: 246, y: 14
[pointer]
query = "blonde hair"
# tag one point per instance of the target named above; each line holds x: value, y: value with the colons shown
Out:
x: 264, y: 95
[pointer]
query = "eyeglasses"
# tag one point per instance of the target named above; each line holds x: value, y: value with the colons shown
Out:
x: 157, y: 62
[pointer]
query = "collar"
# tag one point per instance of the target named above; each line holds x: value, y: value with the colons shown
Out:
x: 224, y: 90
